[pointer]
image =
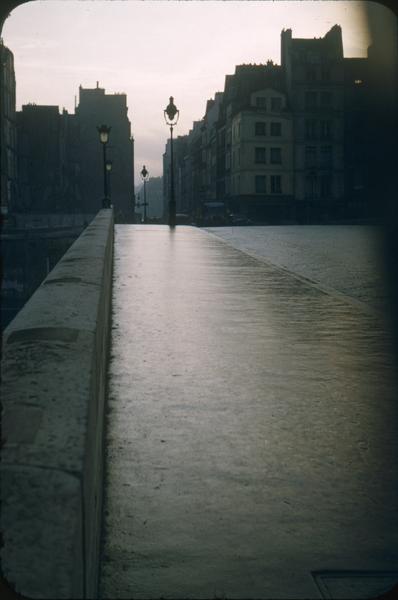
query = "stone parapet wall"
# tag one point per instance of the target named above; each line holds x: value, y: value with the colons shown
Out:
x: 54, y: 362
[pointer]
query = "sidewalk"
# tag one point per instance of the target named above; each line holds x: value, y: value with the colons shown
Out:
x: 252, y: 430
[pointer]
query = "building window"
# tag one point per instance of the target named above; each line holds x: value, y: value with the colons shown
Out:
x: 325, y: 186
x: 310, y: 155
x: 9, y: 162
x: 326, y: 129
x: 312, y: 57
x: 259, y: 156
x: 276, y: 185
x: 276, y: 129
x: 261, y: 102
x: 326, y: 99
x: 310, y: 99
x: 311, y: 74
x: 276, y: 156
x: 310, y: 129
x: 276, y: 104
x: 325, y: 74
x: 260, y: 184
x: 358, y: 81
x: 259, y: 128
x: 326, y: 155
x: 310, y: 186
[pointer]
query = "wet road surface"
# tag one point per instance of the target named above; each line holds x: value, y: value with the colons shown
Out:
x: 344, y: 258
x: 252, y: 427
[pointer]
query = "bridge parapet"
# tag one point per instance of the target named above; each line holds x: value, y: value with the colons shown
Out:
x: 54, y: 362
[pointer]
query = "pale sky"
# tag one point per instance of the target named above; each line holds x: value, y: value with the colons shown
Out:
x: 154, y: 49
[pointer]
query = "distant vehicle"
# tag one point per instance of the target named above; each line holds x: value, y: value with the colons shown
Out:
x: 239, y: 220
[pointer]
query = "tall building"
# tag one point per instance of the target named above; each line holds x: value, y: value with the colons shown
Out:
x: 94, y: 109
x: 8, y: 134
x: 357, y: 137
x: 259, y: 161
x: 209, y: 158
x: 314, y: 76
x: 43, y: 161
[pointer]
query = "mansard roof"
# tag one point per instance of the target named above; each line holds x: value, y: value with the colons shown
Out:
x: 250, y: 78
x: 330, y: 44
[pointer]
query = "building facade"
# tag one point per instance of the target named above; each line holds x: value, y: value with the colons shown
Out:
x: 284, y: 143
x: 261, y: 168
x: 357, y: 137
x: 314, y: 76
x: 8, y: 133
x: 95, y: 108
x: 42, y: 160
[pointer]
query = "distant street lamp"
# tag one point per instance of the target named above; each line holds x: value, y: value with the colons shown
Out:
x: 104, y: 131
x: 171, y: 114
x: 108, y: 166
x: 144, y: 176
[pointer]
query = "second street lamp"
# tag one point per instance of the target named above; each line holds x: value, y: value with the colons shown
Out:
x: 108, y: 166
x: 144, y: 176
x: 171, y: 114
x: 104, y: 131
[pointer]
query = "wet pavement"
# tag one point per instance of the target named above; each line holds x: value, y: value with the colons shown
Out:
x: 344, y: 258
x: 252, y: 429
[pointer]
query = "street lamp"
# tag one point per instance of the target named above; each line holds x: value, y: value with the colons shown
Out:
x: 171, y: 114
x: 104, y: 131
x: 108, y: 167
x: 144, y: 176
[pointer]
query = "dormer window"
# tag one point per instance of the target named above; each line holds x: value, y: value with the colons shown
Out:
x: 261, y: 102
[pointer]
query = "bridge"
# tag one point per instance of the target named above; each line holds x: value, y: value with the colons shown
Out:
x: 182, y: 420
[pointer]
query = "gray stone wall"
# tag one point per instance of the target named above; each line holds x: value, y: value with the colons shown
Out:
x: 54, y: 362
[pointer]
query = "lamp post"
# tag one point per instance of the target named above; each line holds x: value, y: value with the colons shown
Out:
x: 104, y: 131
x: 108, y: 167
x: 144, y: 204
x: 144, y: 176
x: 171, y: 114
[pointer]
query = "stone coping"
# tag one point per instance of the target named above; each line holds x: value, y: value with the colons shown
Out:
x: 54, y: 361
